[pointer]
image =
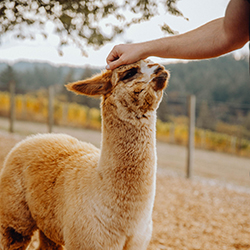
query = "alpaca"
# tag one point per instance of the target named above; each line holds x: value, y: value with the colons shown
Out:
x: 77, y: 195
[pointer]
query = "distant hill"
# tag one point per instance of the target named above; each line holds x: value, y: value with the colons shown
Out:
x: 221, y: 79
x: 217, y: 80
x: 35, y: 75
x: 29, y: 66
x: 3, y: 66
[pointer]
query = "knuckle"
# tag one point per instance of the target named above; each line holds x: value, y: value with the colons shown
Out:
x: 118, y: 46
x: 121, y: 60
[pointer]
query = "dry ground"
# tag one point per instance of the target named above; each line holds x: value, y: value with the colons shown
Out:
x: 205, y: 214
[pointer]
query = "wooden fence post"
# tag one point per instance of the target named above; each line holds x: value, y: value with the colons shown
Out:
x: 191, y: 131
x: 12, y: 106
x: 51, y: 108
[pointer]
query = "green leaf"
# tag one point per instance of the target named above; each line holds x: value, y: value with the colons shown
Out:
x: 65, y: 19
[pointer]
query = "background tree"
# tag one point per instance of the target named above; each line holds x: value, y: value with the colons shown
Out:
x: 247, y: 121
x: 205, y: 119
x: 6, y: 77
x: 63, y: 92
x: 79, y: 21
x: 87, y: 73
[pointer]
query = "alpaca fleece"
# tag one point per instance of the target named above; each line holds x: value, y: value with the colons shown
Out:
x: 81, y: 197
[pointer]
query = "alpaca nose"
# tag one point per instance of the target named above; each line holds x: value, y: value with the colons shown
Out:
x: 160, y: 81
x: 154, y: 74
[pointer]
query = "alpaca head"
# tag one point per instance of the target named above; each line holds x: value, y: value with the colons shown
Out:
x: 131, y: 91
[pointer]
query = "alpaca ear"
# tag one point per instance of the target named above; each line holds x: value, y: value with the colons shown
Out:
x: 97, y: 85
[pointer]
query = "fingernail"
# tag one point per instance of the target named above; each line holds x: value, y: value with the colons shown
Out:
x: 107, y: 67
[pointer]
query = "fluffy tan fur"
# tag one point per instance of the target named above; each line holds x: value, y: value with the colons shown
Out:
x: 81, y: 197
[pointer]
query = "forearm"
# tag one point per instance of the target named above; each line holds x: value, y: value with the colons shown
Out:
x: 207, y: 41
x: 213, y: 39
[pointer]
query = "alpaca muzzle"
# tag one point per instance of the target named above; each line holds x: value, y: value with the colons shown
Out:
x: 160, y: 81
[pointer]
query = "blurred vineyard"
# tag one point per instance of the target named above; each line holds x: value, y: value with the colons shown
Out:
x: 204, y: 139
x: 34, y: 107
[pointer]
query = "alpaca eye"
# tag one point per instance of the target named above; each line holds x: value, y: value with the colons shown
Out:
x: 130, y: 73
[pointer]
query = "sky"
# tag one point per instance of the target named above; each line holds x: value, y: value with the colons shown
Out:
x: 197, y: 11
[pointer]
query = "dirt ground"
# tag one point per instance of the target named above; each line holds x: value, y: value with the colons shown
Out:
x: 198, y: 214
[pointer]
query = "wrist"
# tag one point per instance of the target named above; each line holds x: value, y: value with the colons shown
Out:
x: 153, y: 48
x: 144, y: 49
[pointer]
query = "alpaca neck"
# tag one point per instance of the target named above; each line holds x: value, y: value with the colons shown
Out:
x: 128, y: 150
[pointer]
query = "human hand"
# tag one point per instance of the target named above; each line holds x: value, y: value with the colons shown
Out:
x: 124, y: 54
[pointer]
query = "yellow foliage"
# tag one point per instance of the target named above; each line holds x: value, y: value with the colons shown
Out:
x: 4, y: 101
x: 222, y: 127
x: 19, y: 103
x: 180, y: 120
x: 95, y: 118
x: 178, y: 133
x: 181, y: 134
x: 58, y: 111
x: 162, y: 128
x: 31, y: 107
x: 77, y: 114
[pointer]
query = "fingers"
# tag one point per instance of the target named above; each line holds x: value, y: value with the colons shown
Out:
x: 115, y: 64
x: 114, y: 59
x: 113, y: 55
x: 124, y: 54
